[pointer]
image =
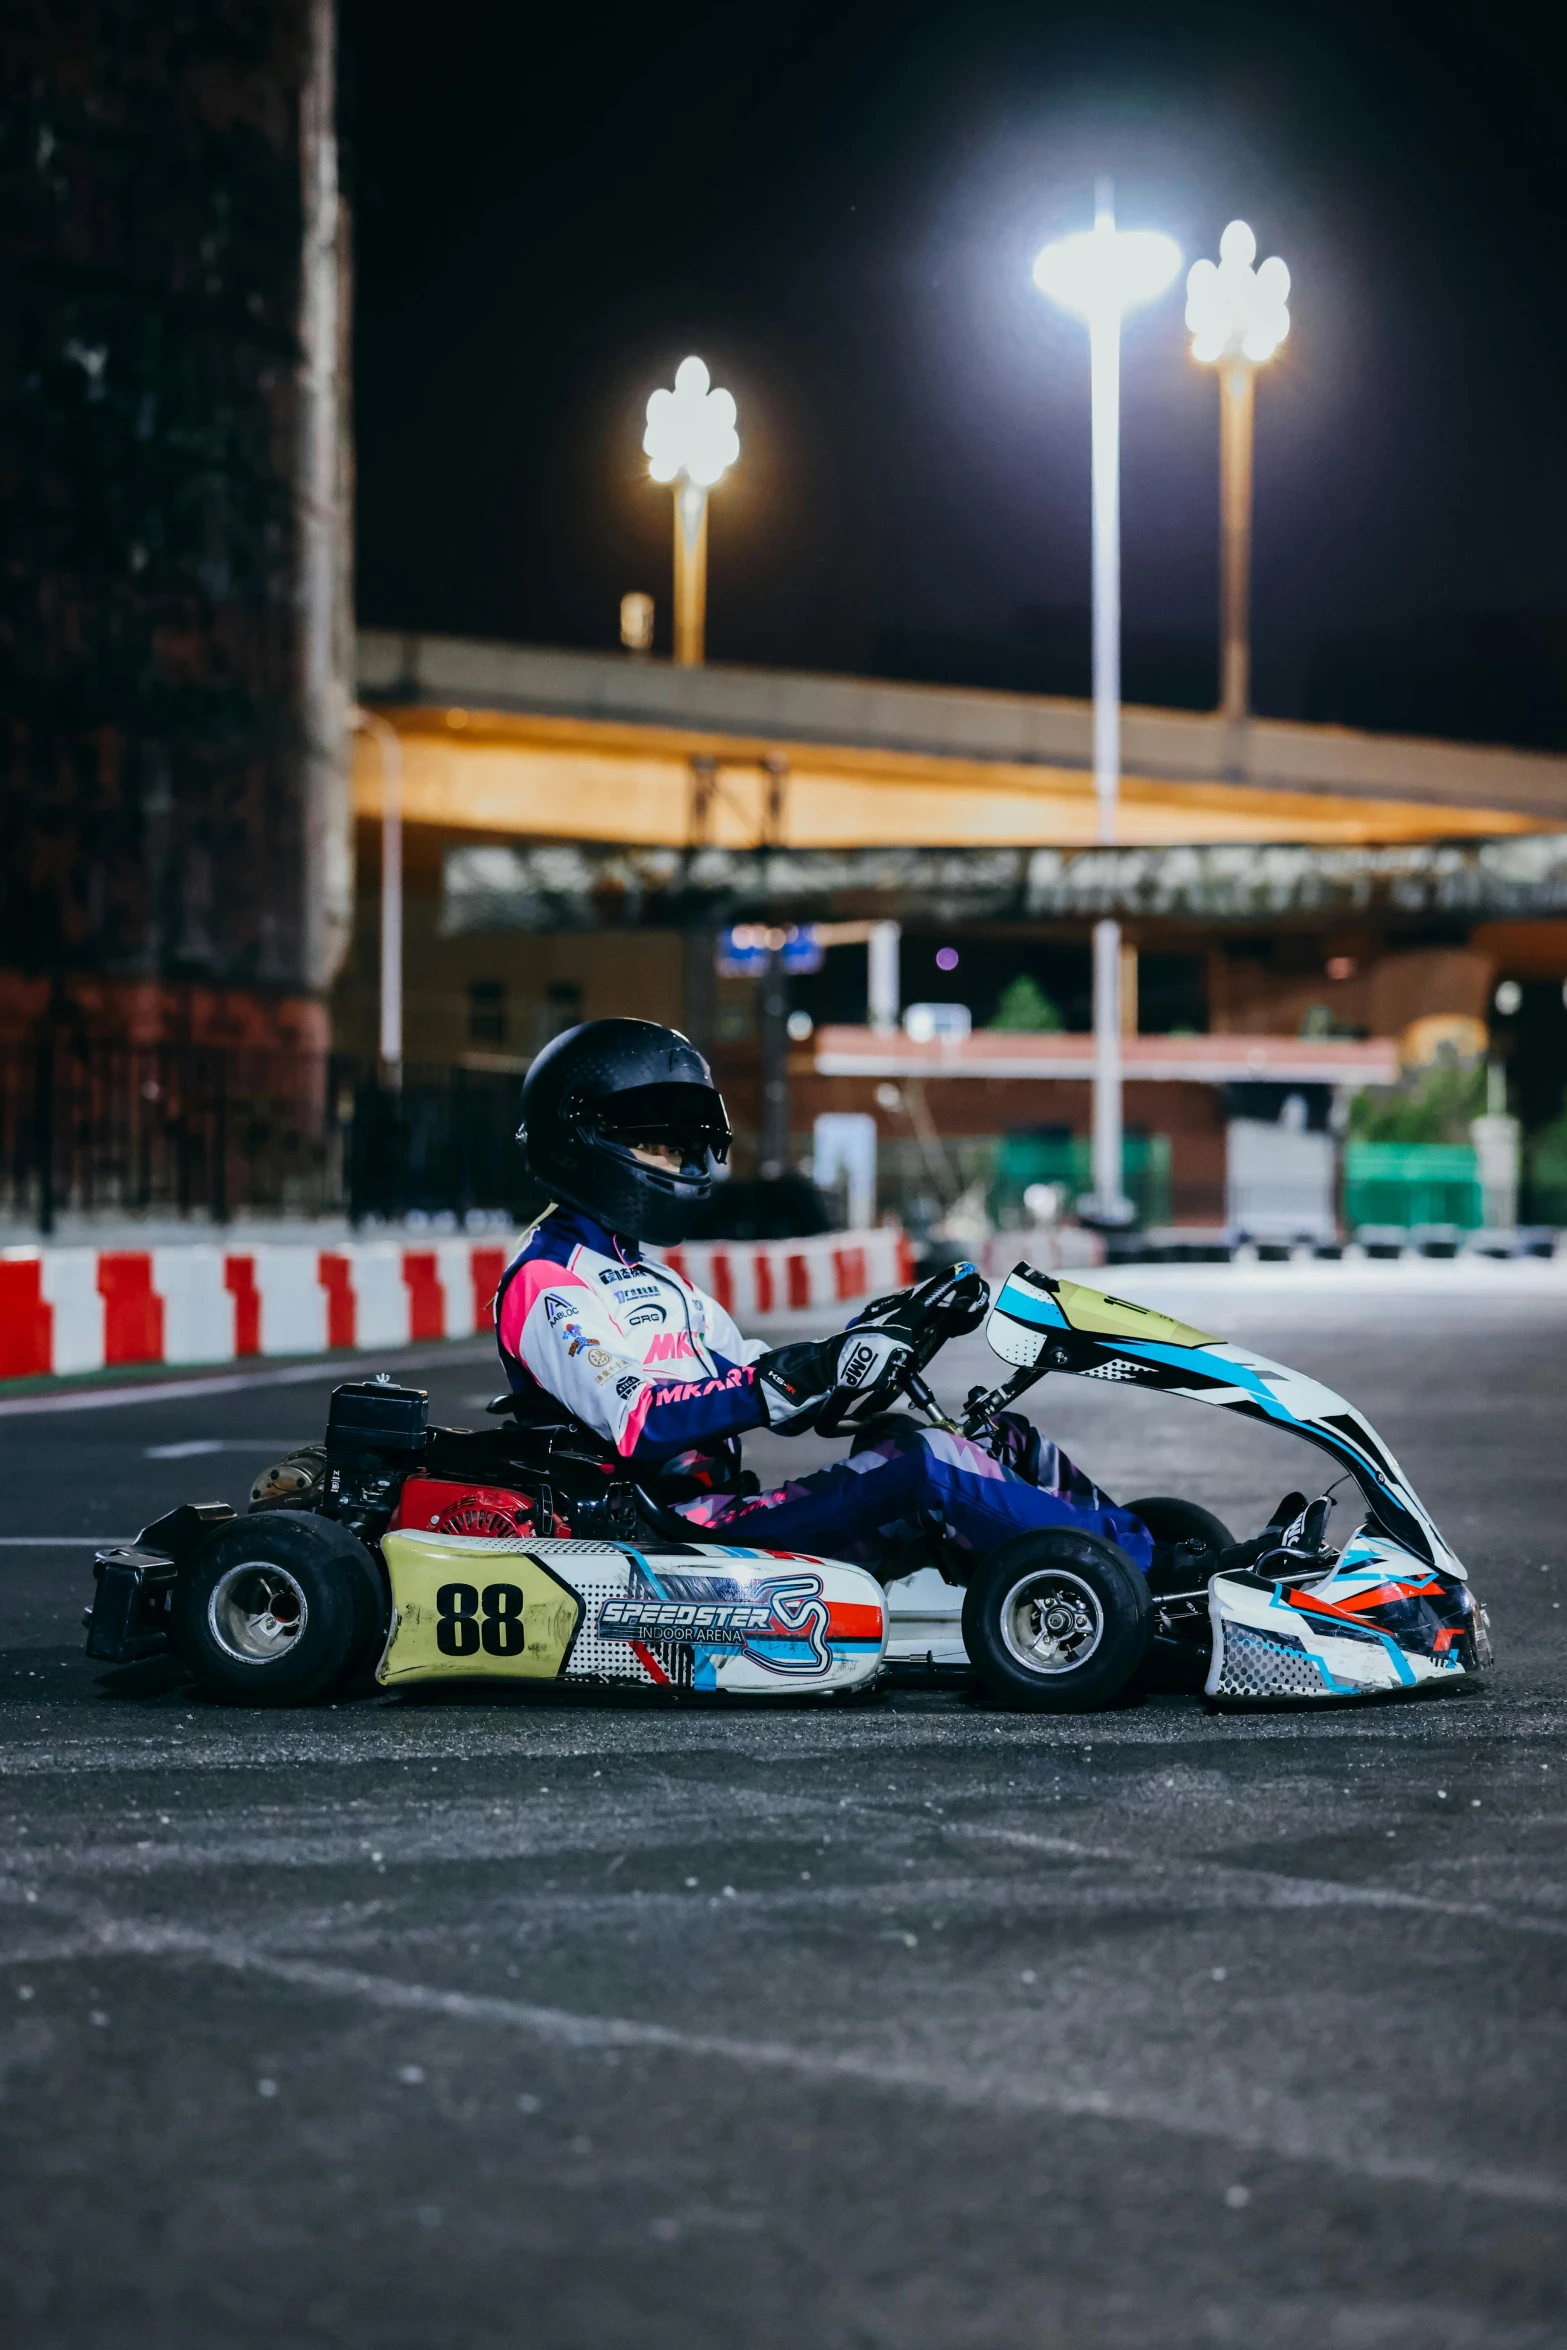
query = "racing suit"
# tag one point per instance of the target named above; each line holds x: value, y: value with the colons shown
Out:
x: 659, y: 1370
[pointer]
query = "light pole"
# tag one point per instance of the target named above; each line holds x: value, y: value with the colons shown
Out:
x: 1238, y: 317
x: 1102, y: 274
x: 389, y: 743
x: 691, y: 443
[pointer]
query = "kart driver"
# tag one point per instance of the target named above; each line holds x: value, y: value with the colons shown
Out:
x: 622, y: 1124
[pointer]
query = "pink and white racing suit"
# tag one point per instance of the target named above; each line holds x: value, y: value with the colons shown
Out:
x: 658, y: 1368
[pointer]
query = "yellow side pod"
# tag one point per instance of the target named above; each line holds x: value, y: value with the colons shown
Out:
x: 465, y: 1607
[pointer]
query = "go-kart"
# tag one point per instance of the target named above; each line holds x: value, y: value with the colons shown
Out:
x: 399, y: 1553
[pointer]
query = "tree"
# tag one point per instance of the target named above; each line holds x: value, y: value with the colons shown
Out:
x: 1025, y: 1005
x: 1430, y: 1105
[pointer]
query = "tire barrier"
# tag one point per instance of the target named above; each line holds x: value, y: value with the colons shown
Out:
x: 72, y: 1309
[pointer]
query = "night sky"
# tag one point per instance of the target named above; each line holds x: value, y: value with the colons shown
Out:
x: 838, y: 208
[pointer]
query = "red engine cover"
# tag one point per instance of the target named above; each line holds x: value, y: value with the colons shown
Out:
x: 438, y: 1505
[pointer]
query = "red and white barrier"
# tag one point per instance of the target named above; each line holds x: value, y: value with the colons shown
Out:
x: 86, y: 1309
x: 755, y: 1278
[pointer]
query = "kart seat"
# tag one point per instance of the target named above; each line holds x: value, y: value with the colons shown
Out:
x: 542, y: 1414
x: 531, y: 1411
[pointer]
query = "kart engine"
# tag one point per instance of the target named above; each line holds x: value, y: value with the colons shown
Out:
x: 375, y: 1434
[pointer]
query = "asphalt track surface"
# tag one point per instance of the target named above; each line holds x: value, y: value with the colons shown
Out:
x: 576, y: 2024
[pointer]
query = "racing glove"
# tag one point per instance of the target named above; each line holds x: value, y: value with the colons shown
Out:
x: 795, y: 1382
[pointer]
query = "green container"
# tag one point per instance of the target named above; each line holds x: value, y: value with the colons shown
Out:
x: 1053, y: 1155
x: 1545, y: 1189
x: 1407, y: 1183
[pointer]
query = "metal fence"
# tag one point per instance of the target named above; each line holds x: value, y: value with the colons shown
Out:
x: 96, y: 1131
x: 92, y: 1131
x: 444, y: 1142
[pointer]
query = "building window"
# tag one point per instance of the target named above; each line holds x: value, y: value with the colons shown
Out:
x: 1172, y: 995
x: 486, y: 1011
x: 561, y: 1009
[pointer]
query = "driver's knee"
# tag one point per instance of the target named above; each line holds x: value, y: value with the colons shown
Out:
x: 946, y: 1455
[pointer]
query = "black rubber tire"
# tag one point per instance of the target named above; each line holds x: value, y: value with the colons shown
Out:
x: 318, y: 1571
x: 1118, y: 1592
x: 1177, y: 1661
x: 374, y: 1608
x: 1169, y: 1519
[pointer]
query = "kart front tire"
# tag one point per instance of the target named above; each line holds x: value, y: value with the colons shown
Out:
x: 278, y: 1609
x: 1057, y: 1622
x: 1180, y: 1652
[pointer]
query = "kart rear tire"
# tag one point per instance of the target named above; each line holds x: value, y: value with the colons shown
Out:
x: 278, y: 1609
x: 1169, y: 1519
x: 1057, y: 1622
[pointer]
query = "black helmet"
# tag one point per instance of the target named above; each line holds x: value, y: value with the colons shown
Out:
x: 599, y: 1089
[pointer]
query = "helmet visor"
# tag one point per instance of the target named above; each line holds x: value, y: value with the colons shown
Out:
x: 690, y: 1119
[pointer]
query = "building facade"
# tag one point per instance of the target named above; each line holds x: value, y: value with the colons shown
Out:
x: 579, y: 828
x: 173, y: 760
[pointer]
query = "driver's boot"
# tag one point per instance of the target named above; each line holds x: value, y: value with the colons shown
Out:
x: 1182, y: 1565
x: 1284, y: 1523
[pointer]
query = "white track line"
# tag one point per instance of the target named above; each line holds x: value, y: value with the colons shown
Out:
x: 98, y: 1399
x: 956, y: 2085
x: 203, y: 1446
x: 1264, y: 1888
x: 462, y: 1834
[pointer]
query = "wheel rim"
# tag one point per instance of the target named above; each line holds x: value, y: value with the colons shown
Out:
x: 1051, y: 1621
x: 257, y: 1612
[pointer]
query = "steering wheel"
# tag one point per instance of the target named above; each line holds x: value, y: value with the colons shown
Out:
x: 947, y: 1306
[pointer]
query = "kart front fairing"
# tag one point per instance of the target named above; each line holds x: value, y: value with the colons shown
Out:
x: 1393, y: 1612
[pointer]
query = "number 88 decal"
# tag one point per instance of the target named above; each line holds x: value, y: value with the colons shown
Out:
x: 459, y: 1630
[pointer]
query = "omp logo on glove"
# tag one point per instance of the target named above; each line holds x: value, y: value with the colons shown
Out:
x: 797, y: 1380
x: 866, y: 1360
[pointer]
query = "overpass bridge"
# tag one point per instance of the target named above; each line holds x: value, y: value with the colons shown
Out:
x: 680, y: 793
x: 578, y: 824
x: 525, y: 742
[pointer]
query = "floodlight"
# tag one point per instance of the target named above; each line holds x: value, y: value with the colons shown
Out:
x: 1106, y: 270
x: 1233, y: 310
x: 691, y: 431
